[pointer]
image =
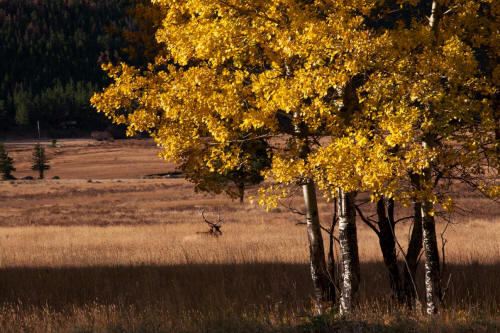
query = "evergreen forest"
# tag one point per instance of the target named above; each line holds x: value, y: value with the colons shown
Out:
x: 50, y: 52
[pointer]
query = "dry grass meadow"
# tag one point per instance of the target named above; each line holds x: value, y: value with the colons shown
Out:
x: 102, y: 250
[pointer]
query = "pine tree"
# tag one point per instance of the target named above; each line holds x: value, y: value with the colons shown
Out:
x: 6, y: 164
x: 40, y: 160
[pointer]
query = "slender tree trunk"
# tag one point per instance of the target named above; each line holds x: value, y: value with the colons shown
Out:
x: 348, y: 251
x: 432, y: 270
x: 41, y: 173
x: 241, y: 191
x: 412, y: 255
x: 497, y: 138
x: 330, y: 265
x: 319, y: 271
x: 387, y: 243
x: 435, y: 17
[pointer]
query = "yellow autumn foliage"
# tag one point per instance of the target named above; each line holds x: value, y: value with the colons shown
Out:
x: 280, y: 69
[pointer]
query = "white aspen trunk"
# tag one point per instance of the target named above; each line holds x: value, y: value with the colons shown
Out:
x: 432, y: 271
x: 319, y: 273
x: 413, y: 253
x: 348, y: 251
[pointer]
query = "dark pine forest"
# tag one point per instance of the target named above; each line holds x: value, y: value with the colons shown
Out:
x: 50, y: 55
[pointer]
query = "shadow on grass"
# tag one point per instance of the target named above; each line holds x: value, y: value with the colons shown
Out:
x: 252, y: 283
x: 186, y: 284
x: 228, y: 295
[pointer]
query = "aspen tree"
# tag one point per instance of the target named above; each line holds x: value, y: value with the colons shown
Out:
x: 230, y: 67
x: 344, y: 105
x: 436, y: 76
x: 430, y: 116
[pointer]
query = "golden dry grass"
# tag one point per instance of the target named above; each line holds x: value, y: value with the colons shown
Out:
x: 89, y: 159
x: 124, y: 255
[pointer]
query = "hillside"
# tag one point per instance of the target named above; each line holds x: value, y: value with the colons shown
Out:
x: 51, y: 52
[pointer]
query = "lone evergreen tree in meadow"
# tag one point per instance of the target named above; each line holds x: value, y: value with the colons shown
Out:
x: 6, y: 164
x: 40, y: 160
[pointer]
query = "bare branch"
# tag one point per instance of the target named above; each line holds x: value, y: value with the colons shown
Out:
x: 450, y: 10
x: 366, y: 221
x: 445, y: 290
x: 327, y: 230
x: 363, y: 203
x: 293, y: 210
x: 403, y: 254
x: 242, y: 140
x: 444, y: 241
x: 404, y: 218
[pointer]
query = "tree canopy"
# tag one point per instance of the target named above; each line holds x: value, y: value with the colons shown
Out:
x: 360, y: 92
x: 397, y: 98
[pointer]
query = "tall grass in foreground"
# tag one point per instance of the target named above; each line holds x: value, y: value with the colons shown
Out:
x: 163, y: 278
x: 126, y: 257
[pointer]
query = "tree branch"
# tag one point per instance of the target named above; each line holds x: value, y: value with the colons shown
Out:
x: 366, y: 221
x: 403, y: 218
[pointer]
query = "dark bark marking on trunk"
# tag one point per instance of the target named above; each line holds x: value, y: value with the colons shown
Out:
x: 348, y: 250
x: 432, y: 269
